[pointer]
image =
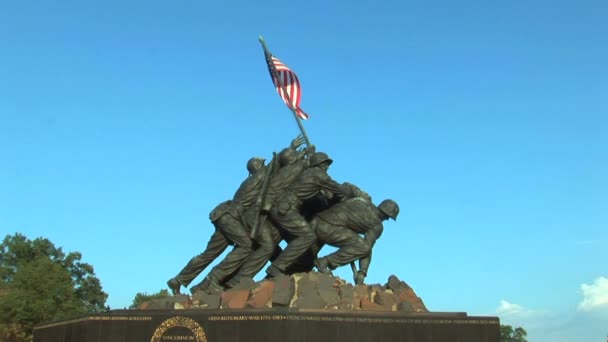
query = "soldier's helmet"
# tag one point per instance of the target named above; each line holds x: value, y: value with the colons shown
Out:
x: 390, y: 208
x: 254, y: 164
x: 288, y: 157
x: 320, y: 157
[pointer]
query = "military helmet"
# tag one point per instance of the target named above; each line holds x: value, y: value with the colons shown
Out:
x: 390, y: 208
x: 254, y: 164
x: 288, y: 156
x: 319, y: 158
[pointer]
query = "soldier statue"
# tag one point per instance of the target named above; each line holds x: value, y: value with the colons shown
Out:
x: 291, y: 198
x: 229, y: 230
x: 233, y: 220
x: 340, y: 226
x: 291, y: 163
x: 286, y: 212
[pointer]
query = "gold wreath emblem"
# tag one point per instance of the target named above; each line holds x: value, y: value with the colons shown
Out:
x: 178, y: 321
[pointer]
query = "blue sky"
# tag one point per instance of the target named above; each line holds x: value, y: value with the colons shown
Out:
x: 123, y: 124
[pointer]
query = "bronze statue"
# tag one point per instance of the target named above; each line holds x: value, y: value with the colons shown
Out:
x: 286, y: 211
x: 340, y: 226
x: 233, y: 221
x: 291, y: 163
x: 292, y: 199
x: 229, y: 230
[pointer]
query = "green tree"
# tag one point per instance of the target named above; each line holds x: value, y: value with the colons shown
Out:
x: 508, y: 334
x: 40, y: 283
x: 141, y: 298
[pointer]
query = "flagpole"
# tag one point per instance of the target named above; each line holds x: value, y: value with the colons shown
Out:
x: 290, y: 105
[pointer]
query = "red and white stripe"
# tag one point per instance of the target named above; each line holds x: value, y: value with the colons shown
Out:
x: 288, y: 80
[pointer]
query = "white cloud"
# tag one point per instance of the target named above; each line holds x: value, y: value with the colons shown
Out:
x: 515, y: 313
x: 550, y: 326
x: 534, y: 321
x: 595, y: 296
x: 509, y: 309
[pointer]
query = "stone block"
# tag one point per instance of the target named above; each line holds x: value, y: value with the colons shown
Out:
x: 307, y: 295
x: 346, y: 297
x: 234, y: 299
x: 360, y: 292
x: 261, y: 295
x: 387, y: 299
x: 171, y: 302
x: 283, y: 291
x: 368, y: 305
x: 405, y: 307
x: 204, y: 300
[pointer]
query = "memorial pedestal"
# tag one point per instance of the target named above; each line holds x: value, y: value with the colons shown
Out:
x: 294, y: 325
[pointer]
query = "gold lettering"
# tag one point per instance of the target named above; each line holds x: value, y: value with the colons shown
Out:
x: 353, y: 319
x: 178, y: 338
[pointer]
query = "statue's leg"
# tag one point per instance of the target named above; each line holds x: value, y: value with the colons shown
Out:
x: 351, y: 245
x: 295, y: 224
x: 306, y: 261
x: 236, y: 233
x: 277, y: 237
x: 267, y: 240
x: 215, y: 247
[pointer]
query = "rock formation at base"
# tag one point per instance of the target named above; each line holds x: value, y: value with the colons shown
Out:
x: 303, y: 291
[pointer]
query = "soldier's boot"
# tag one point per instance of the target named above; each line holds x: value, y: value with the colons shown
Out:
x: 240, y: 283
x: 322, y: 265
x: 209, y: 285
x: 174, y: 286
x: 196, y: 288
x: 232, y: 282
x: 274, y: 272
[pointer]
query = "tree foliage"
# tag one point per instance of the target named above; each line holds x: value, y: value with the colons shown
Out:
x: 508, y: 334
x: 140, y: 298
x: 40, y: 283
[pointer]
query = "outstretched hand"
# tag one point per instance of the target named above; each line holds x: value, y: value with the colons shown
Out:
x: 297, y: 142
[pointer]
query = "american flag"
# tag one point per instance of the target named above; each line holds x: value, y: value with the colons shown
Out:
x: 287, y: 84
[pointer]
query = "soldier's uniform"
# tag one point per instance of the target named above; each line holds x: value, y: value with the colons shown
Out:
x: 230, y: 229
x: 286, y: 212
x: 268, y: 236
x: 340, y: 226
